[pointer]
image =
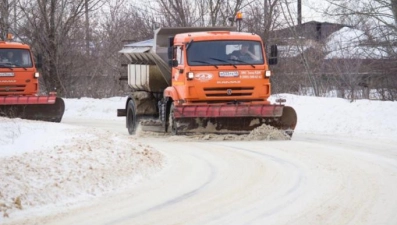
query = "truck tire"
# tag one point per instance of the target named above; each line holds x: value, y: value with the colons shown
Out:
x: 132, y: 122
x: 171, y: 121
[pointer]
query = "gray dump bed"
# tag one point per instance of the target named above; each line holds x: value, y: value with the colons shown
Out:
x: 148, y: 68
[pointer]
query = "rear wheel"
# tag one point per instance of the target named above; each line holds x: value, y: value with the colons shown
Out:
x: 132, y: 122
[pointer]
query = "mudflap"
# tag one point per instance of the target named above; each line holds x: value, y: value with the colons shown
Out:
x: 42, y: 112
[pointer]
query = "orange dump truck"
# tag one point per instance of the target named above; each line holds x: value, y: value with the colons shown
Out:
x: 19, y: 86
x: 211, y: 80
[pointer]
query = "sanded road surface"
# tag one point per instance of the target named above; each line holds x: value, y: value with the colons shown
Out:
x: 311, y: 179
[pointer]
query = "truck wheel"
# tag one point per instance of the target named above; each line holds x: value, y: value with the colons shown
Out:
x: 132, y: 122
x: 171, y: 121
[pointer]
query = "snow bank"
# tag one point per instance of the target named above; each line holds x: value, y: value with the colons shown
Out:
x: 338, y: 116
x: 44, y: 164
x: 94, y: 108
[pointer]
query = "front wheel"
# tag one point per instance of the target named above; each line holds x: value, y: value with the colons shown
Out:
x: 132, y: 122
x: 171, y: 121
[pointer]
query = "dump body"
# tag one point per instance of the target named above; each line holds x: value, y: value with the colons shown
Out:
x: 203, y: 81
x: 148, y: 68
x: 19, y: 86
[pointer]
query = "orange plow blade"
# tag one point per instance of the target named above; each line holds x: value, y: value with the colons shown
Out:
x: 233, y: 119
x: 44, y: 108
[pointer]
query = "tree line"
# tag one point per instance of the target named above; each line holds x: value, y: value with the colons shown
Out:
x: 79, y: 40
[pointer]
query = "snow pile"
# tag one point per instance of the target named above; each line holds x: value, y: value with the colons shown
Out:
x: 266, y: 132
x: 89, y: 108
x: 261, y: 133
x: 46, y: 163
x: 19, y: 136
x: 336, y: 116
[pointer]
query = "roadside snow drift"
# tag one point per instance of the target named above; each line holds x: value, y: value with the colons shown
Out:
x: 47, y: 163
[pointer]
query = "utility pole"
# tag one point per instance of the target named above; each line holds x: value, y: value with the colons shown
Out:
x: 266, y: 20
x: 299, y: 12
x: 15, y: 17
x: 87, y: 28
x: 265, y: 9
x: 4, y: 19
x: 265, y: 13
x: 394, y: 9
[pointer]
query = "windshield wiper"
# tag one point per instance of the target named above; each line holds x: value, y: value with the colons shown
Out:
x: 239, y: 60
x: 23, y: 68
x: 199, y: 61
x: 227, y: 63
x: 6, y: 65
x: 11, y: 65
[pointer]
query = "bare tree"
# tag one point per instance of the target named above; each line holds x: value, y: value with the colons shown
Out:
x: 179, y: 13
x: 263, y: 17
x: 48, y: 24
x: 214, y: 7
x: 378, y: 19
x: 382, y: 11
x: 229, y: 10
x: 122, y: 22
x: 188, y: 13
x: 305, y: 57
x: 5, y: 17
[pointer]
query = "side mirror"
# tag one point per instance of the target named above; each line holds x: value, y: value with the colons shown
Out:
x: 39, y: 61
x: 170, y: 47
x: 170, y: 52
x: 273, y: 55
x: 173, y: 63
x: 170, y: 41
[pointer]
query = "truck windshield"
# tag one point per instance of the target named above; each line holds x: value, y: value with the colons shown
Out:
x: 15, y: 58
x: 201, y: 53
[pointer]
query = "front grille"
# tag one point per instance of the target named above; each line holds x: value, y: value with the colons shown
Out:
x: 228, y: 91
x: 12, y: 88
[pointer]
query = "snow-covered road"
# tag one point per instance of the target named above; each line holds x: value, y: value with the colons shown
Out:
x: 312, y: 179
x: 339, y: 168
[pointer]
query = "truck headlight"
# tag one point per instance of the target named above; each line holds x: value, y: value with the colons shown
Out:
x: 190, y: 76
x: 37, y: 75
x: 268, y: 73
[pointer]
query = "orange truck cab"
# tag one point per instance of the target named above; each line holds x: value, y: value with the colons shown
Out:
x: 205, y: 70
x: 18, y: 75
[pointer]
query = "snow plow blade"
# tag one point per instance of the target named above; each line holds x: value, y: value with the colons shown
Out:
x: 43, y: 108
x: 232, y: 119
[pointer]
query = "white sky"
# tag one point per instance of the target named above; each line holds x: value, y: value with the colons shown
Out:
x: 313, y: 10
